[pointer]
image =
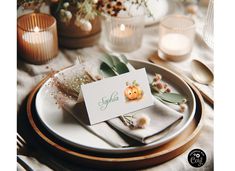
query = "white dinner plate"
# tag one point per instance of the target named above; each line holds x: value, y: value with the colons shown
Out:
x: 64, y: 127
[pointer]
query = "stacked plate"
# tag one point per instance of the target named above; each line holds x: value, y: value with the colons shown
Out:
x: 64, y: 135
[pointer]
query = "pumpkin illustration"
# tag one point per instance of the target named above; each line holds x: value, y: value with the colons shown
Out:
x: 133, y: 92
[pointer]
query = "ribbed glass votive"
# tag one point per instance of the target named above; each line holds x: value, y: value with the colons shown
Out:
x: 124, y: 33
x: 37, y: 37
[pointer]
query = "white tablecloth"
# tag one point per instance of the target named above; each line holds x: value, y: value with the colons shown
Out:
x: 29, y: 75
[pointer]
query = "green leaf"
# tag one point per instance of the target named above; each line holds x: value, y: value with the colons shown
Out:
x: 108, y: 60
x: 171, y: 97
x: 59, y: 6
x: 106, y: 70
x: 115, y: 59
x: 121, y: 68
x: 125, y: 60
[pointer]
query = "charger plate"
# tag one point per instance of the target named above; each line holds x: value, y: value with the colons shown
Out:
x: 64, y: 127
x: 114, y: 161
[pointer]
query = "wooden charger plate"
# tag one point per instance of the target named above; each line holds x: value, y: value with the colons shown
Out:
x: 117, y: 161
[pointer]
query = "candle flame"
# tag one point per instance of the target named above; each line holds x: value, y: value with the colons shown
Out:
x: 122, y: 27
x: 36, y: 29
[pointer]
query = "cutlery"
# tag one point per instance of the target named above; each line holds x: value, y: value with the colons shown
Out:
x: 23, y: 164
x: 201, y: 73
x: 24, y: 148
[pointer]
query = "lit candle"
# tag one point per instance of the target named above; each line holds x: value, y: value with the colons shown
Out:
x: 37, y: 40
x: 122, y: 32
x: 39, y: 44
x: 175, y: 46
x: 121, y: 38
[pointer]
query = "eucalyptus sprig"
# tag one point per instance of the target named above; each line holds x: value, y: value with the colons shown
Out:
x: 112, y: 65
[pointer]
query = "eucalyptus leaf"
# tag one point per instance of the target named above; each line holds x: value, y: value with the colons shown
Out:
x: 121, y: 68
x: 125, y: 60
x: 108, y: 60
x: 171, y: 97
x: 106, y: 70
x: 115, y: 60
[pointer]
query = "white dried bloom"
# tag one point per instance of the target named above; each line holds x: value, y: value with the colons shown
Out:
x: 182, y: 107
x: 62, y: 12
x: 85, y: 25
x: 65, y: 5
x: 142, y: 121
x: 68, y: 14
x: 157, y: 77
x: 95, y: 1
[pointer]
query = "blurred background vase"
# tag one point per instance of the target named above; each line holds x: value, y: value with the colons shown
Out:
x: 71, y: 36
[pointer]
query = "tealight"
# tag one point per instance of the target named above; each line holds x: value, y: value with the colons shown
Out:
x: 176, y: 37
x: 37, y: 37
x: 124, y: 33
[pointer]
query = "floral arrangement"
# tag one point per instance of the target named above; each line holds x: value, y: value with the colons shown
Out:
x: 83, y: 10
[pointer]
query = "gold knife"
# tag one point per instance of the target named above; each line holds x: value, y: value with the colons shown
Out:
x: 155, y: 59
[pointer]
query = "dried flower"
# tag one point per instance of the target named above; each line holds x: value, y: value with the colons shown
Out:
x: 68, y: 14
x: 85, y: 25
x: 64, y: 88
x: 62, y: 12
x: 66, y: 5
x: 157, y: 77
x: 142, y: 121
x: 133, y: 122
x: 192, y: 9
x: 182, y: 107
x: 159, y: 86
x: 168, y: 90
x: 95, y: 1
x: 86, y: 9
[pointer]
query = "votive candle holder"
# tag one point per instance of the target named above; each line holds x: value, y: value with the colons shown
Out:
x: 37, y: 37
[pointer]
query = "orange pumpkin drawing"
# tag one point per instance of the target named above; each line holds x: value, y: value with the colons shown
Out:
x: 133, y: 92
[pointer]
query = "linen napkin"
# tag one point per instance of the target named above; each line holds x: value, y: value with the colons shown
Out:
x: 162, y: 120
x: 102, y: 130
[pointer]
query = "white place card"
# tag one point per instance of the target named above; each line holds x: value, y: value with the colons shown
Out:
x: 115, y: 96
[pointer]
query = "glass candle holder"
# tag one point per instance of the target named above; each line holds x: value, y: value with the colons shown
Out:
x: 124, y: 33
x: 37, y: 37
x: 208, y: 29
x: 176, y: 37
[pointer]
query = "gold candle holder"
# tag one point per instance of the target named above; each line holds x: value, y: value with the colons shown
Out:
x: 37, y: 37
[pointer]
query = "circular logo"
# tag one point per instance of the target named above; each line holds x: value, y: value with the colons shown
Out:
x: 197, y: 158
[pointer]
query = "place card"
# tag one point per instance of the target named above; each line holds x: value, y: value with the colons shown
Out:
x: 115, y: 96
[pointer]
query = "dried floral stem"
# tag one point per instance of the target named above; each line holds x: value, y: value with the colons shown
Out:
x: 70, y: 92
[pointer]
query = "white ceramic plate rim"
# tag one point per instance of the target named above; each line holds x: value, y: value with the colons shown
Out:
x: 128, y: 149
